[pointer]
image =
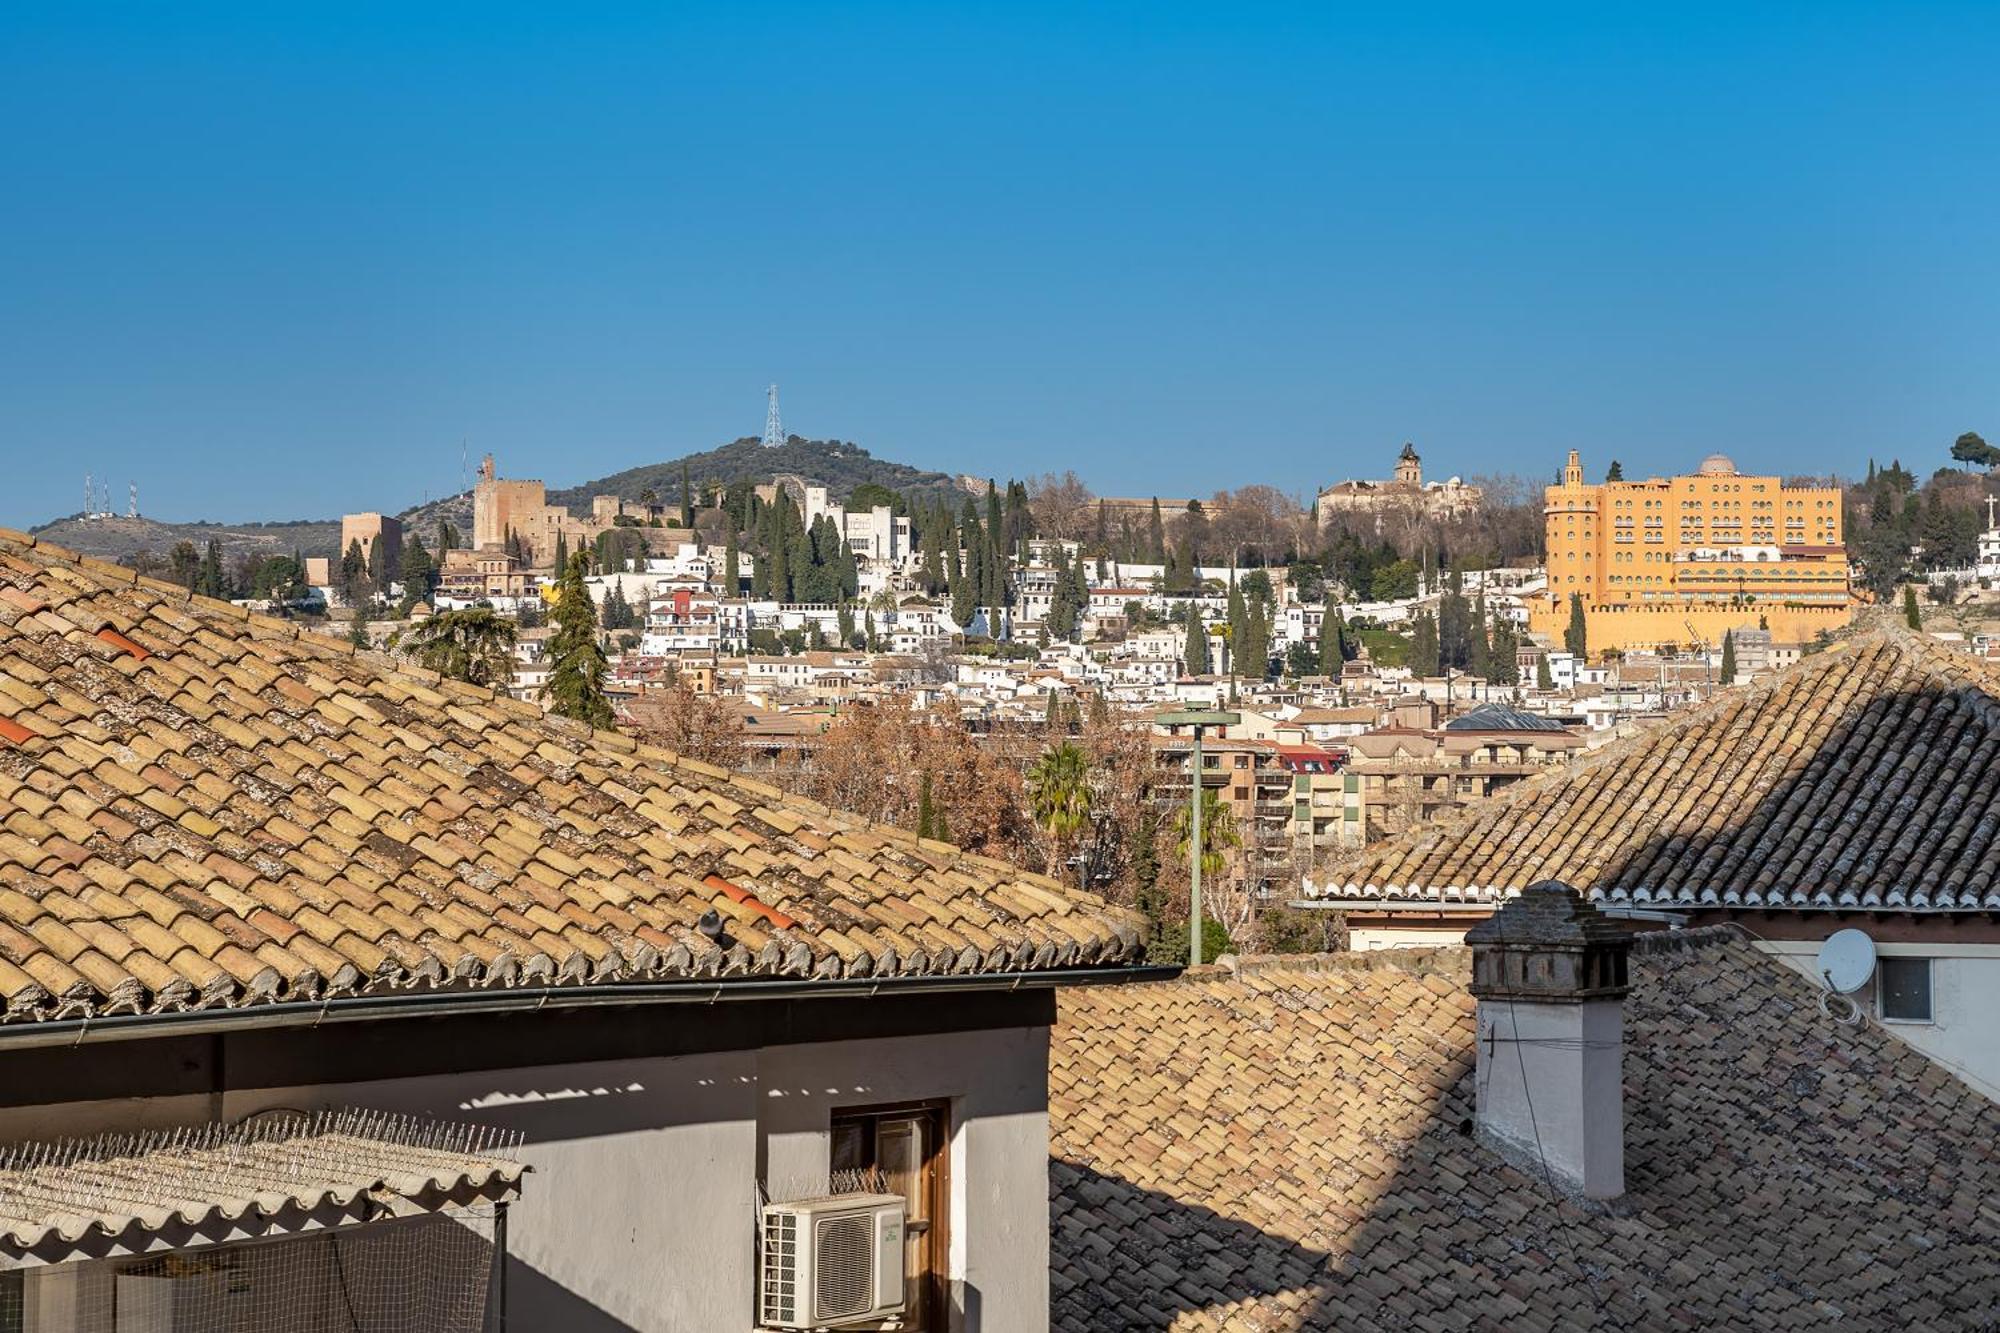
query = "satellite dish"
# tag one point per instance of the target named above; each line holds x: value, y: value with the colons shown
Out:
x: 1846, y: 961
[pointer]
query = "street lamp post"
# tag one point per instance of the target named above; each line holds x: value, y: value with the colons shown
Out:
x: 1197, y: 719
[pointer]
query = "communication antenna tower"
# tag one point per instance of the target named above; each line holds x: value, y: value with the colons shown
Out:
x: 774, y: 429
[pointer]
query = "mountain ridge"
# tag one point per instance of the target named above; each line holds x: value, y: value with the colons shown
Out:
x: 839, y: 465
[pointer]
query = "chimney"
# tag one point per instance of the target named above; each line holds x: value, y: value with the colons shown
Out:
x: 1548, y: 970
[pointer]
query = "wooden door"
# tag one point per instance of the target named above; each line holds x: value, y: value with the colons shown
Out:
x: 902, y: 1150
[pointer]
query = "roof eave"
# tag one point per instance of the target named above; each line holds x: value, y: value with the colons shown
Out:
x: 439, y: 1003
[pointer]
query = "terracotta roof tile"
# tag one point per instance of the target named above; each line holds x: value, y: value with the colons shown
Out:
x: 1866, y: 776
x: 231, y: 812
x: 1284, y: 1149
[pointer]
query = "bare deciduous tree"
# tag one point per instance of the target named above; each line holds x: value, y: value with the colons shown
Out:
x: 1061, y: 506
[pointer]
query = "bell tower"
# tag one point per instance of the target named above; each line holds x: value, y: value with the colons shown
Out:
x: 1409, y: 468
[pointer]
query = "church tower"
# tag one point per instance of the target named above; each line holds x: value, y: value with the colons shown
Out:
x: 1409, y: 468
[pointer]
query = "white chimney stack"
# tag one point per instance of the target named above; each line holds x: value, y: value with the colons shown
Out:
x: 1549, y: 972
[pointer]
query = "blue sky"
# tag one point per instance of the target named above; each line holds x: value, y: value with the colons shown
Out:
x: 278, y: 260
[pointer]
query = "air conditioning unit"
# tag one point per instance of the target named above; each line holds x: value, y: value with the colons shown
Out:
x: 831, y: 1261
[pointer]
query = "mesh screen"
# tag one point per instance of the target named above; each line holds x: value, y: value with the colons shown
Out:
x: 422, y: 1275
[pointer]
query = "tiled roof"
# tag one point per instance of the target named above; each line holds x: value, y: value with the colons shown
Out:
x: 226, y: 1180
x: 1864, y: 776
x: 201, y: 808
x: 1288, y: 1149
x: 1501, y: 717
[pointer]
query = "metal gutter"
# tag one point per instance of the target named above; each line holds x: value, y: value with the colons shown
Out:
x: 430, y: 1004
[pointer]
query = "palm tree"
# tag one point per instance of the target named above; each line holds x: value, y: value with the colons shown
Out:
x: 475, y: 645
x: 1218, y: 832
x: 1059, y: 795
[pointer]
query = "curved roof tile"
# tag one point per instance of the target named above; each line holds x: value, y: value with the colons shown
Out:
x: 239, y: 813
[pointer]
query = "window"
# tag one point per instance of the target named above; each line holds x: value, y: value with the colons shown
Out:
x: 902, y: 1150
x: 1903, y: 986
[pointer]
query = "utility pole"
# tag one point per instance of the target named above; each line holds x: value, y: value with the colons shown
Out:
x: 1197, y: 719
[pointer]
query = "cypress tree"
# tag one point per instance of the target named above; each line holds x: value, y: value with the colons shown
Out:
x: 209, y: 580
x: 575, y: 687
x: 1728, y: 673
x: 1424, y: 644
x: 1194, y: 654
x: 732, y: 562
x: 1911, y: 615
x: 687, y: 498
x: 1239, y: 621
x: 1156, y: 536
x: 1576, y: 638
x: 562, y: 551
x: 1479, y: 649
x: 354, y: 574
x: 1543, y: 679
x: 1502, y: 668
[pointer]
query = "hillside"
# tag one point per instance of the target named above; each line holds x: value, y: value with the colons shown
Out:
x: 122, y: 538
x: 838, y: 465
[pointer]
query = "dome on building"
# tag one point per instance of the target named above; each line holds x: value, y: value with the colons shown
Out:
x: 1716, y: 465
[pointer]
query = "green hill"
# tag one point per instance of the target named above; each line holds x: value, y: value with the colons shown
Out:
x: 836, y: 464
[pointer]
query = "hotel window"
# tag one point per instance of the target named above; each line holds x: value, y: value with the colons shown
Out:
x: 1903, y: 988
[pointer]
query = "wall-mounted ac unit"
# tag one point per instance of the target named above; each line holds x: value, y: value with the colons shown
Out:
x: 831, y: 1261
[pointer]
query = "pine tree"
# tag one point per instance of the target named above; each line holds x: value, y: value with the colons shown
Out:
x: 1728, y: 673
x: 1911, y: 615
x: 1194, y: 654
x: 1576, y: 638
x: 1615, y: 472
x: 575, y: 687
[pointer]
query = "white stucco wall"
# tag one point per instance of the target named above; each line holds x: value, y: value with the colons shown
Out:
x: 1362, y: 939
x: 1965, y: 997
x: 1551, y: 1092
x: 639, y: 1215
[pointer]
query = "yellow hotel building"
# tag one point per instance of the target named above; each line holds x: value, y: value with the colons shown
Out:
x: 1679, y: 561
